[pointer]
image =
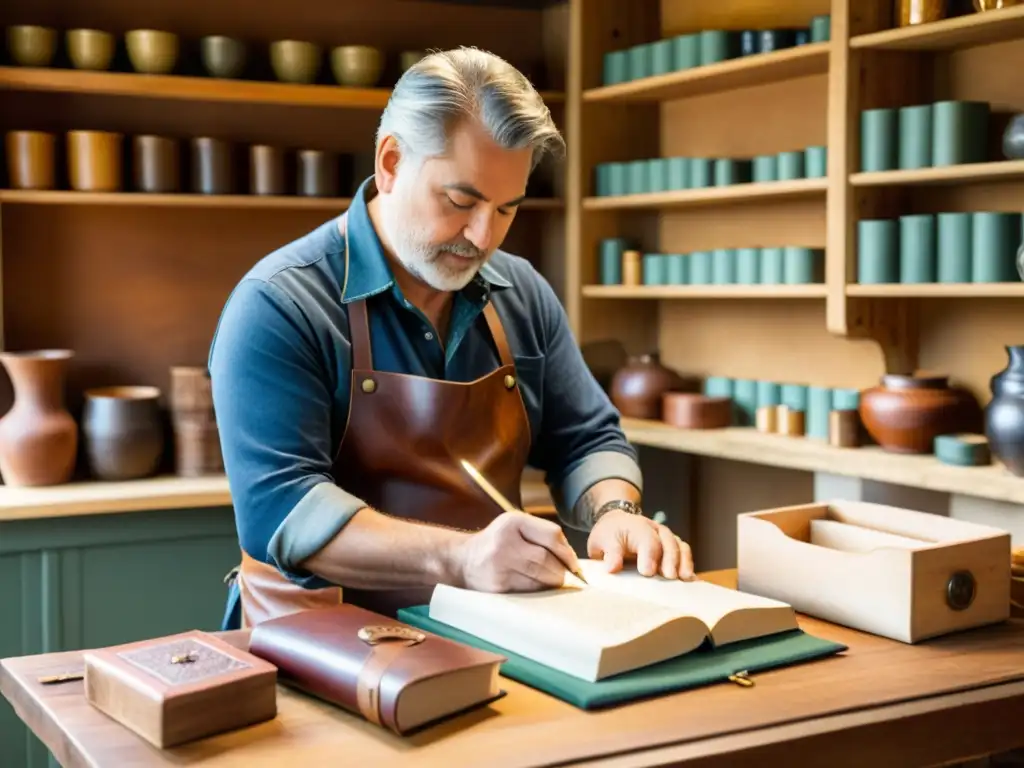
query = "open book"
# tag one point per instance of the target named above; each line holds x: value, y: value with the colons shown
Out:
x: 616, y: 623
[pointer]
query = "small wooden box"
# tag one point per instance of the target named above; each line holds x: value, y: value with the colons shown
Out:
x: 176, y: 689
x: 893, y: 572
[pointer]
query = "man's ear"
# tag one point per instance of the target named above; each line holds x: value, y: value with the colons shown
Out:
x: 386, y: 164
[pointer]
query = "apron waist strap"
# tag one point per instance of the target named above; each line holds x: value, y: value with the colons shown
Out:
x: 266, y: 593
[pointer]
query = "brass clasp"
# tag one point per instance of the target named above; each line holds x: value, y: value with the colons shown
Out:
x: 375, y: 633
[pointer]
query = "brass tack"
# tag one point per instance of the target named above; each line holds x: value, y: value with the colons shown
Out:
x: 510, y: 381
x: 369, y: 386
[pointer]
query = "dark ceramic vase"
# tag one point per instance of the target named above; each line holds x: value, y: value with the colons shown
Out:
x: 1004, y: 416
x: 904, y: 414
x: 637, y: 387
x: 1013, y: 138
x: 123, y: 430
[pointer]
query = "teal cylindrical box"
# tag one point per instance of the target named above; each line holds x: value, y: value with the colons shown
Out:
x: 794, y: 397
x: 657, y: 175
x: 816, y: 162
x: 729, y: 171
x: 701, y: 272
x: 611, y: 250
x: 748, y: 266
x: 821, y: 28
x: 917, y: 249
x: 662, y: 58
x: 616, y: 67
x: 915, y: 137
x: 959, y: 132
x: 686, y: 51
x: 802, y: 266
x: 602, y: 172
x: 877, y: 251
x: 878, y: 132
x: 675, y: 269
x: 716, y: 45
x: 678, y: 172
x: 637, y: 181
x: 766, y: 168
x: 995, y: 237
x: 819, y: 406
x: 845, y: 399
x: 744, y: 397
x: 618, y: 179
x: 653, y: 269
x: 640, y: 61
x: 772, y: 266
x: 953, y: 248
x: 723, y: 268
x: 718, y: 386
x: 768, y: 393
x: 791, y: 165
x: 701, y: 172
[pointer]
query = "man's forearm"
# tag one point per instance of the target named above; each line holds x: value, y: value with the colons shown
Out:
x: 598, y: 495
x: 376, y: 551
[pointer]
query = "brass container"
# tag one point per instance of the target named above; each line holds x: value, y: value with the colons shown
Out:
x: 994, y: 5
x: 152, y: 51
x: 223, y: 56
x: 295, y: 61
x: 359, y: 66
x: 156, y: 164
x: 94, y: 161
x: 31, y: 160
x: 90, y: 48
x: 910, y: 12
x: 266, y: 170
x: 32, y: 46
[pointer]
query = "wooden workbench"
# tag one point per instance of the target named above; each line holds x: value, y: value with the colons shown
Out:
x: 880, y: 703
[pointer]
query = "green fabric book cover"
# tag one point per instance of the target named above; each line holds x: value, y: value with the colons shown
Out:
x: 704, y: 666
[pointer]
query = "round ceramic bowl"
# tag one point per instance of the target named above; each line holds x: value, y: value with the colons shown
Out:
x: 151, y: 51
x: 223, y: 56
x: 359, y: 66
x: 295, y: 61
x: 90, y: 48
x: 408, y: 58
x: 32, y: 46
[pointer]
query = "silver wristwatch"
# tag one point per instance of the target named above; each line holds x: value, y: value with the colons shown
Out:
x: 622, y: 504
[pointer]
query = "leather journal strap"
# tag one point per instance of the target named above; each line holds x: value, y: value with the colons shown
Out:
x: 387, y: 643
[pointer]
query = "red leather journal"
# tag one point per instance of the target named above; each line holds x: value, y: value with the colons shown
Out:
x: 390, y: 673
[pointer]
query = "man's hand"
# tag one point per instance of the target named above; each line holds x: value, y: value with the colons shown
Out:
x: 517, y: 552
x: 618, y: 536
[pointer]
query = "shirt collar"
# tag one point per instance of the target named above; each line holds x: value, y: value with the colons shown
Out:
x: 367, y: 271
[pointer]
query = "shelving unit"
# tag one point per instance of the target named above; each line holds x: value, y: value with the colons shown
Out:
x: 696, y: 198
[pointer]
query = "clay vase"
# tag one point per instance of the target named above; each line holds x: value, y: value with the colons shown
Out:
x: 38, y: 436
x: 1013, y: 138
x: 123, y: 431
x: 904, y: 414
x: 1004, y: 415
x: 638, y: 386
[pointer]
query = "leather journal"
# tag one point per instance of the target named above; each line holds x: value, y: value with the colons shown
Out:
x: 392, y: 674
x: 176, y: 689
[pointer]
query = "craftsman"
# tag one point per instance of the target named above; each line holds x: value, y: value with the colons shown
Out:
x: 354, y: 368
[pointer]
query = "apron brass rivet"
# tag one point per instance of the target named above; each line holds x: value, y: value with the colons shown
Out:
x: 510, y: 381
x: 369, y: 385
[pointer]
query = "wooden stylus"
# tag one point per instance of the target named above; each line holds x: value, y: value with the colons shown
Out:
x: 505, y: 504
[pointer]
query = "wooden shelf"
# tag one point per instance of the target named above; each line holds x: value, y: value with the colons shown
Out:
x: 284, y: 202
x: 946, y: 175
x: 869, y: 463
x: 759, y: 69
x: 199, y: 88
x: 961, y: 32
x: 938, y: 290
x: 705, y: 291
x: 693, y: 198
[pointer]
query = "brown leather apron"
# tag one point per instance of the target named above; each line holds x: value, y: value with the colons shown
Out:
x: 400, y: 452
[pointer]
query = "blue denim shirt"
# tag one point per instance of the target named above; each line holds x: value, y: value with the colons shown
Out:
x: 280, y: 368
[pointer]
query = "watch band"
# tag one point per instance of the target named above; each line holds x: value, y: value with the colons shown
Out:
x: 625, y: 505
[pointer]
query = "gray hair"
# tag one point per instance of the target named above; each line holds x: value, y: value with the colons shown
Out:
x: 445, y: 87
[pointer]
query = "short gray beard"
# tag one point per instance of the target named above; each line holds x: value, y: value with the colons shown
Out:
x: 424, y: 261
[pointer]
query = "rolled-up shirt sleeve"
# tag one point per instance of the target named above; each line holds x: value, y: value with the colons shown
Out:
x: 581, y: 441
x: 272, y: 398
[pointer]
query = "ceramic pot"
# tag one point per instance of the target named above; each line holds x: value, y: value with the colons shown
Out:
x: 317, y: 174
x: 212, y: 171
x: 1013, y: 138
x: 408, y: 58
x: 156, y: 164
x: 637, y: 387
x: 295, y: 61
x: 30, y: 160
x: 38, y: 436
x: 904, y: 414
x: 152, y: 51
x: 196, y: 439
x: 94, y: 161
x: 266, y: 170
x: 32, y: 46
x: 123, y: 432
x: 1004, y: 415
x: 359, y: 66
x: 223, y: 56
x: 90, y: 48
